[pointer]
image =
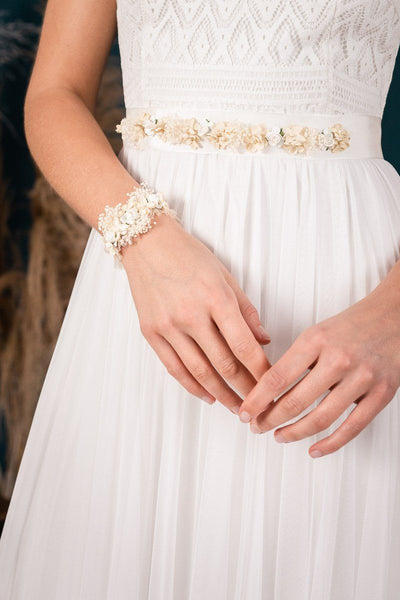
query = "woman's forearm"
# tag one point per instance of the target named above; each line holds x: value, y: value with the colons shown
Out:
x: 386, y: 295
x: 73, y: 152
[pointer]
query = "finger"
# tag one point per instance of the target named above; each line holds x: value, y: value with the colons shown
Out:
x: 177, y: 369
x: 364, y: 412
x: 282, y: 374
x: 240, y: 338
x: 333, y: 405
x: 249, y: 311
x: 202, y: 370
x: 291, y: 404
x: 221, y: 357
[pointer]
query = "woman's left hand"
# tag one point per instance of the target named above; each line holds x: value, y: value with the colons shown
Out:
x: 354, y: 356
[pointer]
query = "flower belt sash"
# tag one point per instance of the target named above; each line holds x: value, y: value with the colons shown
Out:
x: 301, y: 135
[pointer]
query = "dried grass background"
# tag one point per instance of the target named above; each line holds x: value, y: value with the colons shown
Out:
x: 33, y: 301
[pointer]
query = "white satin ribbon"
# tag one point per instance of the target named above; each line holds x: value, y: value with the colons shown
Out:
x: 364, y: 130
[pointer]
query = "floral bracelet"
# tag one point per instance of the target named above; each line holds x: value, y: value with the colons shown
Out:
x: 234, y: 135
x: 120, y: 224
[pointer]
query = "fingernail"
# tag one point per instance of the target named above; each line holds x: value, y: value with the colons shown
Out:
x: 315, y: 453
x: 280, y: 437
x: 235, y: 409
x: 254, y: 428
x: 263, y: 332
x: 208, y: 399
x: 244, y: 417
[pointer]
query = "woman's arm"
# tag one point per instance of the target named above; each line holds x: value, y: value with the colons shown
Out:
x: 63, y: 136
x: 191, y: 310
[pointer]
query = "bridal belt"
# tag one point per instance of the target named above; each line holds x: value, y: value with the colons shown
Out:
x: 297, y: 134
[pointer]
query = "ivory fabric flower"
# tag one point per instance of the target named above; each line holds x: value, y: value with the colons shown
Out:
x: 181, y: 131
x: 298, y: 139
x: 254, y: 137
x: 225, y: 134
x: 341, y: 137
x: 131, y: 131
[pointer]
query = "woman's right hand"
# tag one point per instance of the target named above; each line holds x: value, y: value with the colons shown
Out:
x: 194, y: 314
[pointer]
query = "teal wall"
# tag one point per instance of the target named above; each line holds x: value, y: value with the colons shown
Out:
x: 391, y: 120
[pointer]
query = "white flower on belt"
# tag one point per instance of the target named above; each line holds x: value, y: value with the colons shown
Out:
x: 275, y: 136
x: 325, y: 139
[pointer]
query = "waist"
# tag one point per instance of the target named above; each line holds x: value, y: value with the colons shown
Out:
x: 303, y: 135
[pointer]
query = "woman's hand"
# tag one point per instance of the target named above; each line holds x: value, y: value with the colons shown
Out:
x: 355, y: 354
x: 194, y: 314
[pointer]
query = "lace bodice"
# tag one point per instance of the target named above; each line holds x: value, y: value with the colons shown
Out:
x: 320, y: 56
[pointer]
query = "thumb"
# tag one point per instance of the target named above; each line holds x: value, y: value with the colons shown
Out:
x: 249, y: 312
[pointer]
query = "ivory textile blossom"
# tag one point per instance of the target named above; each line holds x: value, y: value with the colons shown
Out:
x: 254, y: 137
x: 341, y: 138
x: 225, y: 135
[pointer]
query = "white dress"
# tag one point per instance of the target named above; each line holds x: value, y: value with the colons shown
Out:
x: 130, y: 488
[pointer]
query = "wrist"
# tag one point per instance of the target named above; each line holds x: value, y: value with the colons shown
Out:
x: 165, y: 225
x: 122, y: 224
x: 386, y: 295
x: 384, y: 307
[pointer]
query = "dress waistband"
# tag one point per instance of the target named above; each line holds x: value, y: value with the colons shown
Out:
x: 303, y: 135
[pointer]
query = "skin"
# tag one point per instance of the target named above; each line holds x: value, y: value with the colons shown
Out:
x: 191, y: 310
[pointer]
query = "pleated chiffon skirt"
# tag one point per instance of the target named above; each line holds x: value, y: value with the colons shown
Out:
x: 130, y: 488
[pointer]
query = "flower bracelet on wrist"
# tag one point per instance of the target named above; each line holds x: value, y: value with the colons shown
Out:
x: 120, y: 224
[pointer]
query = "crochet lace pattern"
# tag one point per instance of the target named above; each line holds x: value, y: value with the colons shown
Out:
x: 319, y: 56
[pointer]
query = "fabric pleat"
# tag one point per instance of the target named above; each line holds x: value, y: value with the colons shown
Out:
x: 132, y: 488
